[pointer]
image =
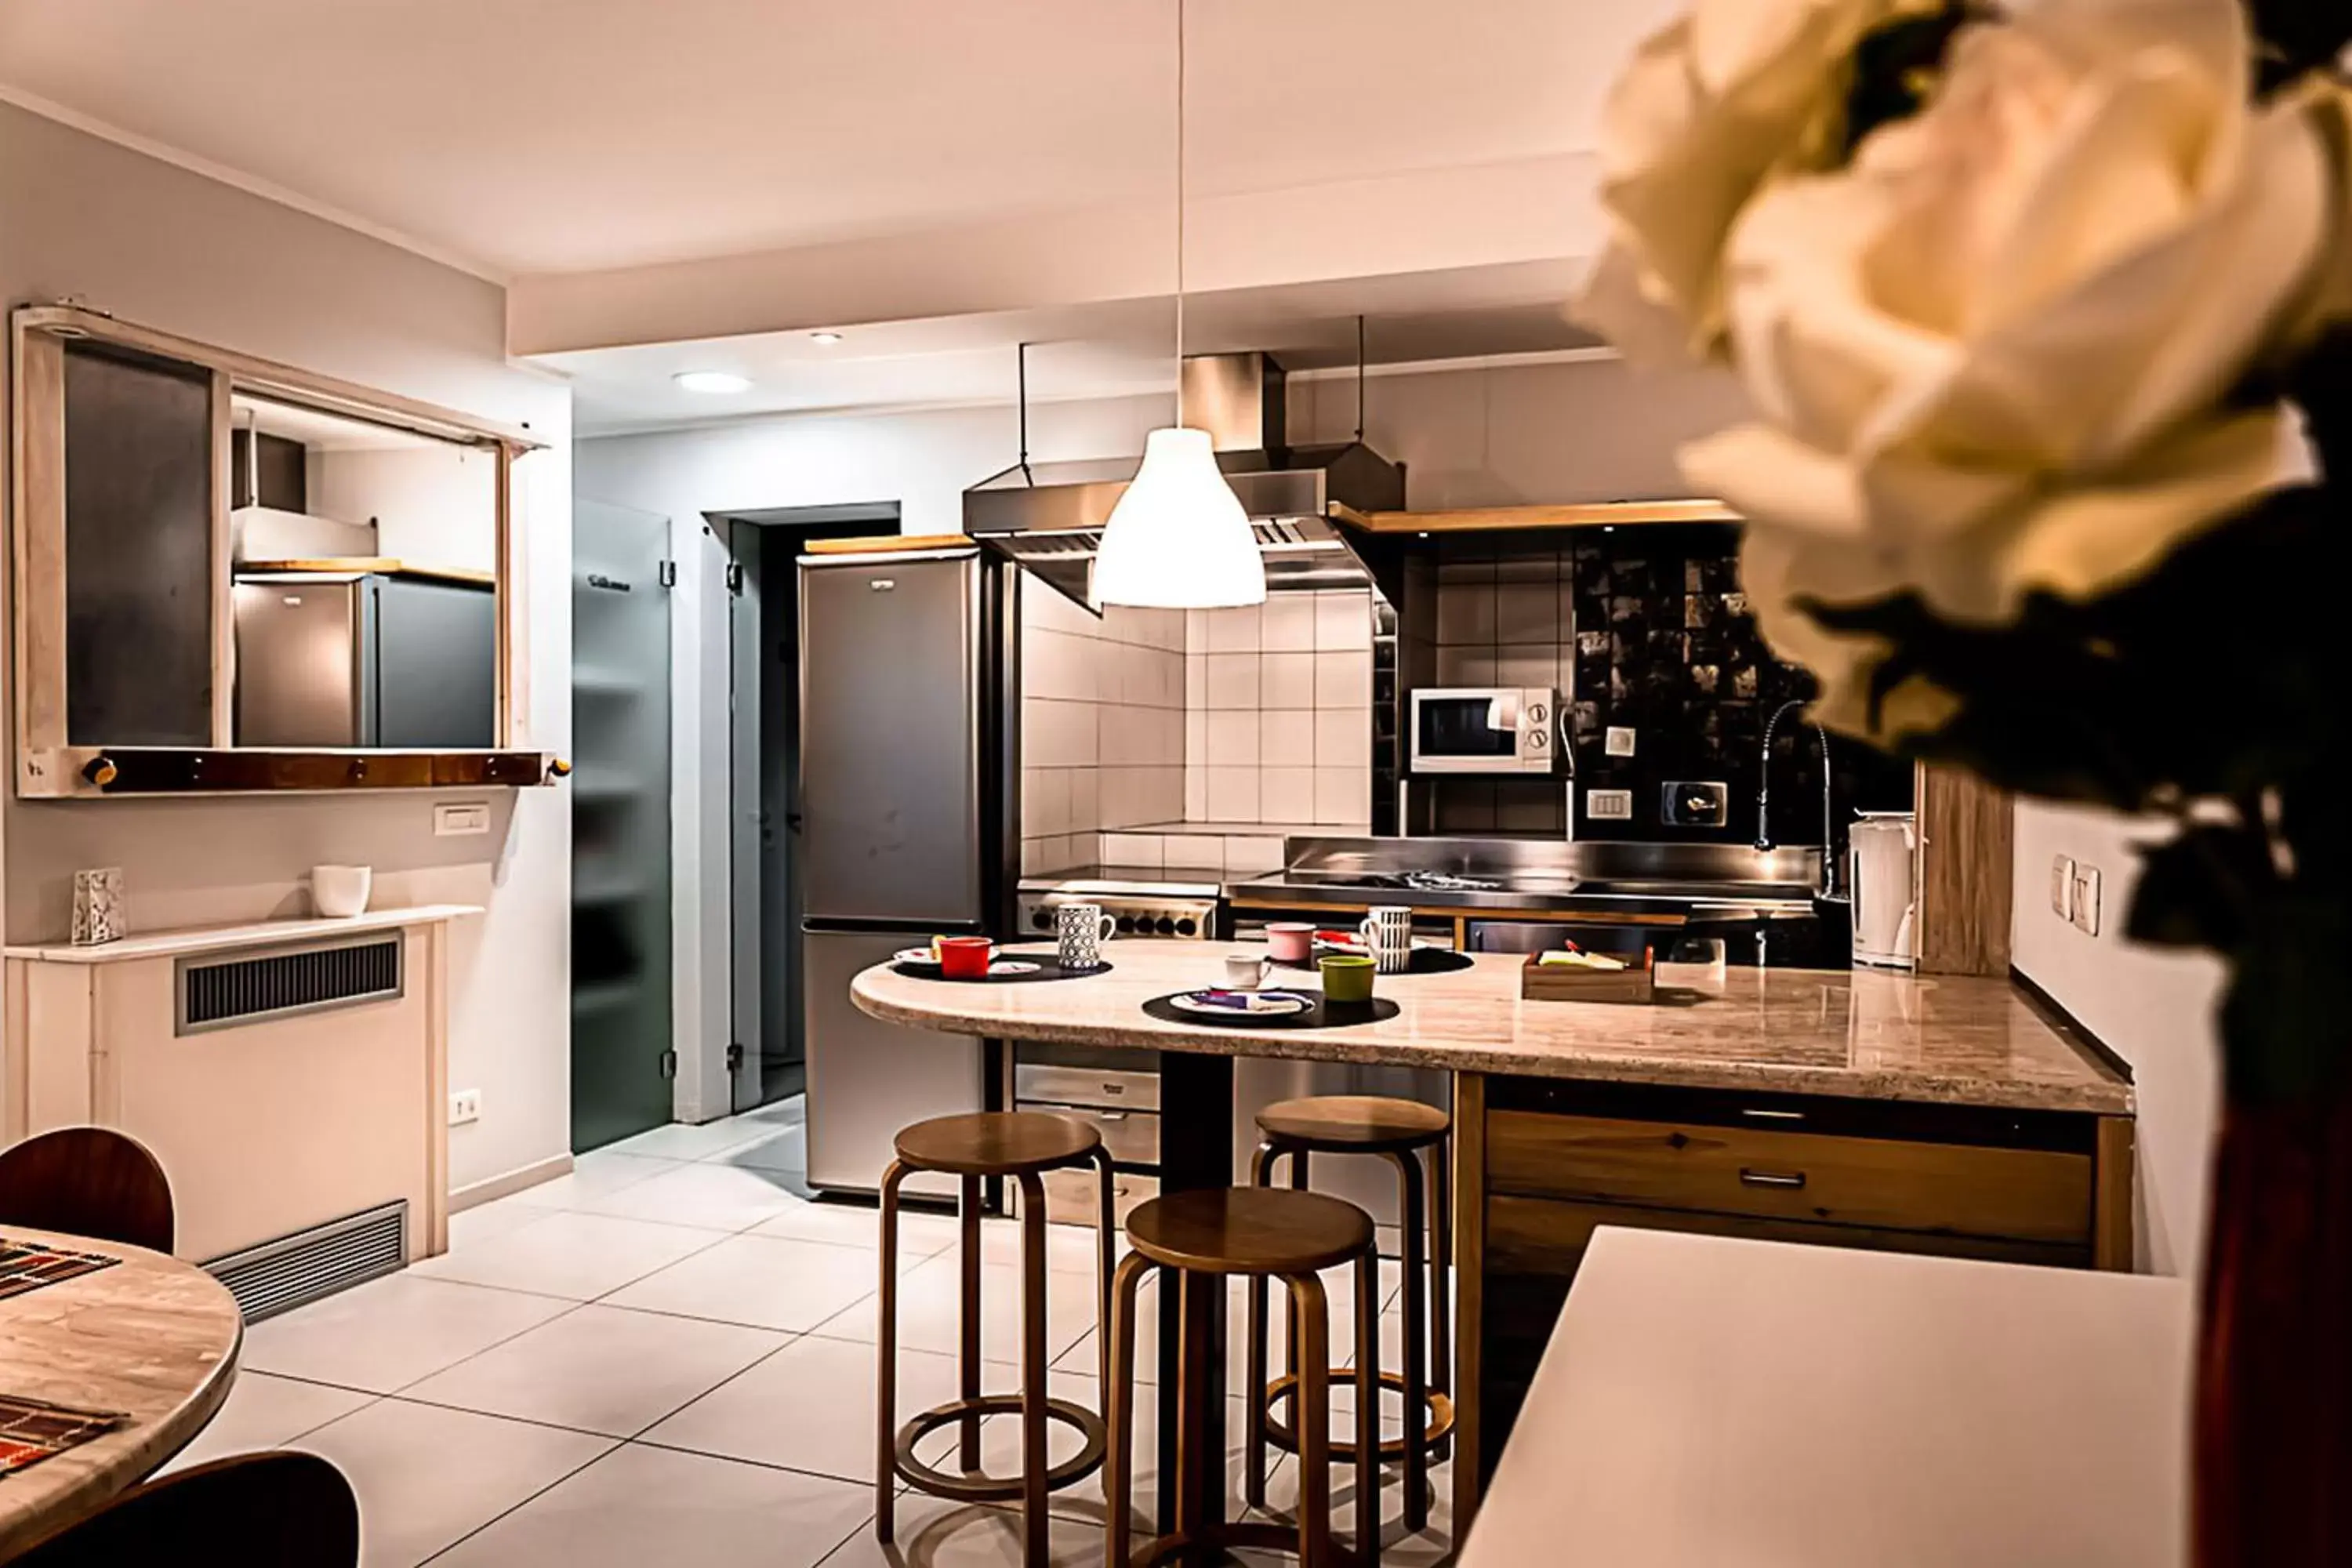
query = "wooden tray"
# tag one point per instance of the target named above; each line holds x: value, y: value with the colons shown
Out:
x: 1558, y: 983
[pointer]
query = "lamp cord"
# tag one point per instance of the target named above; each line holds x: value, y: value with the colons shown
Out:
x: 1180, y: 213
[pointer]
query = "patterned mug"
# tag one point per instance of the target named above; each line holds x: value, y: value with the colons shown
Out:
x: 1388, y: 934
x: 1080, y: 931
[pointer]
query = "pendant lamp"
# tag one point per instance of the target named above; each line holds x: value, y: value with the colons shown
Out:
x: 1178, y: 539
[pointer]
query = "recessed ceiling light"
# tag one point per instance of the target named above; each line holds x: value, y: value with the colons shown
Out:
x: 713, y: 380
x: 824, y: 337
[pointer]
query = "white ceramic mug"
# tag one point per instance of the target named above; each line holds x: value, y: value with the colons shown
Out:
x: 1247, y: 971
x: 1080, y: 931
x: 1388, y: 933
x: 339, y: 893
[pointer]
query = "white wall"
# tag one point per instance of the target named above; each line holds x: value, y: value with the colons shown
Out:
x: 157, y: 245
x: 2152, y: 1006
x: 434, y: 506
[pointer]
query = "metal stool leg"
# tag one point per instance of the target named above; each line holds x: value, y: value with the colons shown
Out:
x: 1253, y: 1414
x: 1368, y: 1408
x: 1118, y: 1406
x: 1037, y: 1528
x: 968, y: 1321
x: 1313, y: 1420
x: 1413, y: 1222
x: 885, y: 1364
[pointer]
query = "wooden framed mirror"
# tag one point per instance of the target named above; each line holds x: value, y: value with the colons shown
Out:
x: 230, y: 574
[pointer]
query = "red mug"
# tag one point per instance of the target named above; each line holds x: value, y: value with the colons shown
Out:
x: 965, y: 957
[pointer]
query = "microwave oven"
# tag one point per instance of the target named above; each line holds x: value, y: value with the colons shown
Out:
x: 1487, y: 729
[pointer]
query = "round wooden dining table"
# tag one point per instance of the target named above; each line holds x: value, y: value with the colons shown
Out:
x: 149, y: 1336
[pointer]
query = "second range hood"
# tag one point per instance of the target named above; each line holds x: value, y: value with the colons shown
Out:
x: 1049, y: 517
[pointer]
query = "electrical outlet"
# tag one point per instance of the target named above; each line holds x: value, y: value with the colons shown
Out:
x: 461, y: 820
x: 1619, y: 740
x: 2062, y: 886
x: 2086, y: 899
x: 464, y: 1105
x: 1609, y: 805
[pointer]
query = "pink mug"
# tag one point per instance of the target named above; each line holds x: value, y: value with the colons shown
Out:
x: 1290, y: 942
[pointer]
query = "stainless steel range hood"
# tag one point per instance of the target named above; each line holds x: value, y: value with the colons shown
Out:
x: 1049, y: 517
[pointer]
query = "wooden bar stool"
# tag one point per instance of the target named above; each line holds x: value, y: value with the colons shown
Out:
x: 1021, y: 1146
x: 1400, y: 1131
x: 1263, y: 1233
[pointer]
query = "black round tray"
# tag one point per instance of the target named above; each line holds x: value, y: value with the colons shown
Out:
x: 1426, y: 960
x: 1322, y: 1016
x: 1047, y: 969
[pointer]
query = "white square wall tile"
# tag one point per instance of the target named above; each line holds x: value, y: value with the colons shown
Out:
x: 1056, y: 665
x: 1167, y: 793
x: 1044, y: 801
x: 1253, y: 854
x: 1343, y: 620
x: 1232, y: 680
x: 1233, y: 630
x: 1343, y: 738
x: 1285, y: 738
x: 1127, y: 798
x: 1343, y: 680
x: 1196, y: 793
x: 1141, y: 850
x: 1233, y: 739
x: 1286, y: 624
x: 1195, y: 852
x: 1196, y: 737
x: 1287, y: 794
x: 1232, y: 794
x: 1286, y: 680
x: 1343, y: 796
x: 1086, y: 802
x: 1526, y: 612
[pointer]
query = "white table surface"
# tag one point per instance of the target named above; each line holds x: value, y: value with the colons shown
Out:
x: 255, y: 933
x: 1710, y: 1403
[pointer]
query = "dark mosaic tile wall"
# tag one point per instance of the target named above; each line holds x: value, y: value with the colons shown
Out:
x: 1640, y: 628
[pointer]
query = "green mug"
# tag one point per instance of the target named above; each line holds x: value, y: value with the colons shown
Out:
x: 1348, y: 976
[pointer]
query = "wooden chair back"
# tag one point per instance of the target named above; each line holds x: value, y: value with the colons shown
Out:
x: 87, y: 1180
x: 256, y: 1511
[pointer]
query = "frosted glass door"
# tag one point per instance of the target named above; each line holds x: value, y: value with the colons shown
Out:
x: 620, y: 824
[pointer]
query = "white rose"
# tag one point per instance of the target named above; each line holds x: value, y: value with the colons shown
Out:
x: 1991, y: 355
x: 1710, y: 107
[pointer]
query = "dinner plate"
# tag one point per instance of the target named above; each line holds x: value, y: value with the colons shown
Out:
x: 1262, y: 1004
x: 916, y: 958
x: 1011, y: 966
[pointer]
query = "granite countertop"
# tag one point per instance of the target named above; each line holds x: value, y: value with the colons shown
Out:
x: 1706, y: 1400
x: 1858, y: 1034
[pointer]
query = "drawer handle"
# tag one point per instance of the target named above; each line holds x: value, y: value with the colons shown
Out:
x: 1771, y: 1178
x: 1763, y: 1115
x: 1110, y: 1115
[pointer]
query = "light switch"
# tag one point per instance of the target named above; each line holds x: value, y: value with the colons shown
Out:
x: 2062, y: 886
x: 1619, y: 743
x: 461, y: 820
x: 1609, y: 805
x: 2086, y: 899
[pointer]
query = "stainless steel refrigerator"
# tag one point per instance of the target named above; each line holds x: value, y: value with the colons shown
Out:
x: 902, y: 832
x: 365, y: 658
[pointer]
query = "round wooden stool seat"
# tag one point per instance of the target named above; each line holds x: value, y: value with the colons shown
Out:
x: 997, y: 1144
x: 1249, y: 1230
x: 1354, y: 1123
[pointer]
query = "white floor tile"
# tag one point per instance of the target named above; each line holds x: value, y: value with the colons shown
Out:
x: 929, y: 1311
x: 720, y: 1196
x: 765, y: 1282
x: 577, y: 1256
x: 1337, y: 1287
x: 484, y: 1222
x: 599, y: 1369
x: 386, y: 1334
x: 933, y: 1532
x: 593, y: 1175
x: 639, y: 1506
x: 1069, y: 1248
x: 686, y: 1141
x: 784, y: 1149
x: 809, y: 1406
x: 922, y: 1234
x: 266, y: 1412
x: 426, y: 1475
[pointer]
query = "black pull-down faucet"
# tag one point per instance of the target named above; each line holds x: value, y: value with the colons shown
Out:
x: 1764, y: 795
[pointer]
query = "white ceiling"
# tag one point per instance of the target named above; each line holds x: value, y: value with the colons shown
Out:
x: 558, y: 136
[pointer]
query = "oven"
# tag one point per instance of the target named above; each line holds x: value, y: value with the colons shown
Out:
x: 1487, y: 729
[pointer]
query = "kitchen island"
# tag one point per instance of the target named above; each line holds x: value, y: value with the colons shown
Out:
x: 1842, y: 1107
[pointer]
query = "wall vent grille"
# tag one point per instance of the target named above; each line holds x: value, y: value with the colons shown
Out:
x: 279, y: 1276
x: 217, y: 993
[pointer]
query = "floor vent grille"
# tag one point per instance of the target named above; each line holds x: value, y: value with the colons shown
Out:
x: 216, y: 993
x: 279, y: 1276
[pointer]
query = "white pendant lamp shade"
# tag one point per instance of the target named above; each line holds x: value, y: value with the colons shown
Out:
x: 1179, y: 540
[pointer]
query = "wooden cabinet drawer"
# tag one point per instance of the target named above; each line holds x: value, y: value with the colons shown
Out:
x: 1878, y: 1183
x: 1542, y: 1237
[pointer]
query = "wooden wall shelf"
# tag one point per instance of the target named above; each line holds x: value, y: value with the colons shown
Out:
x: 108, y: 773
x: 1504, y: 519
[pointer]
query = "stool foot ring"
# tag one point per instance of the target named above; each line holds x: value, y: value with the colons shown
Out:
x: 1279, y: 1433
x: 1241, y: 1535
x: 975, y: 1487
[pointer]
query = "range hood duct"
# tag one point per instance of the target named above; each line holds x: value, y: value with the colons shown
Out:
x: 1049, y: 517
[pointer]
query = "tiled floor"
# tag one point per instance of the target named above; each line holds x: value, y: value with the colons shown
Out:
x: 668, y: 1357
